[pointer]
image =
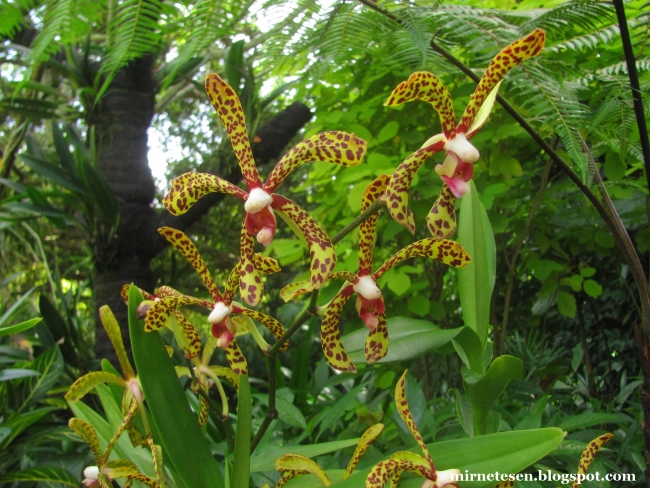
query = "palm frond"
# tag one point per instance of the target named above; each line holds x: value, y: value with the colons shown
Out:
x: 133, y: 32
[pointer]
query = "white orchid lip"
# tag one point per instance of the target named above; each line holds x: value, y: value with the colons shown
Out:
x: 220, y: 312
x: 446, y: 477
x: 367, y: 288
x: 462, y: 148
x: 91, y: 473
x: 257, y: 200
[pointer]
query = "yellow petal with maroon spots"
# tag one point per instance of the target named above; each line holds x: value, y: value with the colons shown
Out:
x: 269, y: 322
x: 294, y: 290
x: 226, y: 373
x: 236, y: 359
x: 508, y: 58
x: 167, y: 291
x: 301, y: 464
x: 186, y: 247
x: 157, y: 458
x: 445, y: 251
x: 288, y: 475
x: 344, y: 275
x: 189, y: 187
x: 362, y: 446
x: 332, y: 147
x: 192, y: 345
x: 323, y: 257
x: 114, y: 333
x: 505, y: 484
x: 266, y: 264
x: 400, y: 462
x: 373, y: 191
x: 120, y: 430
x: 588, y: 455
x: 377, y: 342
x: 397, y: 195
x: 330, y: 335
x: 160, y: 311
x: 404, y: 412
x: 88, y: 382
x: 124, y: 293
x: 424, y: 86
x: 250, y: 283
x: 132, y: 473
x: 225, y: 101
x: 441, y: 220
x: 88, y: 434
x: 484, y: 112
x: 204, y: 410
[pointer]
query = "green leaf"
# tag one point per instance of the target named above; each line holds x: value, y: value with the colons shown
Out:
x: 16, y: 373
x: 587, y: 272
x: 566, y: 304
x: 180, y: 435
x: 388, y: 132
x: 290, y: 413
x: 419, y: 305
x: 506, y: 452
x: 575, y: 422
x: 19, y: 422
x: 60, y: 331
x: 13, y: 329
x: 50, y: 366
x: 50, y: 476
x: 241, y: 471
x: 15, y: 306
x: 469, y: 348
x: 483, y: 390
x: 476, y: 280
x: 534, y: 419
x: 592, y: 288
x: 408, y: 338
x: 464, y: 412
x: 398, y: 283
x: 53, y: 173
x: 264, y: 459
x: 234, y: 66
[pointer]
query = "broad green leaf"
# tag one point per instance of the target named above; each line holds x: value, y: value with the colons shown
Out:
x: 476, y: 280
x: 8, y: 313
x: 290, y: 413
x: 15, y: 373
x: 13, y: 329
x: 590, y: 419
x: 464, y: 412
x: 53, y: 173
x: 50, y: 366
x: 469, y: 348
x: 180, y: 435
x: 534, y: 419
x: 483, y: 390
x: 592, y: 288
x: 408, y: 338
x: 264, y: 459
x: 566, y: 304
x: 388, y: 132
x: 419, y: 305
x: 506, y: 452
x: 19, y: 422
x: 60, y: 331
x: 50, y: 476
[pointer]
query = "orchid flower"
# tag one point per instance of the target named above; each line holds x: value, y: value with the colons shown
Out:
x: 206, y: 375
x: 133, y: 397
x: 458, y: 166
x: 101, y: 475
x: 370, y: 303
x: 586, y: 458
x: 260, y: 201
x: 403, y: 461
x: 294, y: 465
x: 224, y: 327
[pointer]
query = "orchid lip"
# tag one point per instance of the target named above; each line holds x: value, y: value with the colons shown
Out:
x: 91, y: 472
x: 367, y: 288
x: 257, y: 200
x: 447, y: 477
x: 220, y: 312
x: 462, y: 148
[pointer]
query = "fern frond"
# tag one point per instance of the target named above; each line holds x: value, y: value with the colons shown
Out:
x: 12, y: 16
x: 589, y: 15
x: 133, y: 33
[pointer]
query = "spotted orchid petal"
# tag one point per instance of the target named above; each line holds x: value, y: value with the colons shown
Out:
x: 400, y: 462
x: 88, y: 434
x: 192, y: 340
x: 225, y: 101
x: 330, y: 334
x: 226, y: 373
x: 89, y: 381
x: 422, y: 85
x: 159, y: 312
x: 236, y: 359
x: 588, y: 456
x: 377, y: 341
x: 251, y: 287
x: 446, y: 251
x: 189, y: 187
x: 362, y: 446
x: 204, y: 411
x: 403, y: 409
x: 397, y: 191
x: 441, y: 220
x: 124, y: 293
x: 186, y: 247
x: 508, y: 58
x: 120, y: 430
x: 269, y: 322
x: 287, y: 476
x: 296, y: 464
x: 323, y: 257
x: 264, y: 265
x: 112, y: 328
x: 132, y: 473
x: 165, y: 291
x: 373, y: 191
x: 294, y: 290
x: 335, y: 147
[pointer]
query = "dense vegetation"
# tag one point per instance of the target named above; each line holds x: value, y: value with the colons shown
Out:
x: 89, y: 87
